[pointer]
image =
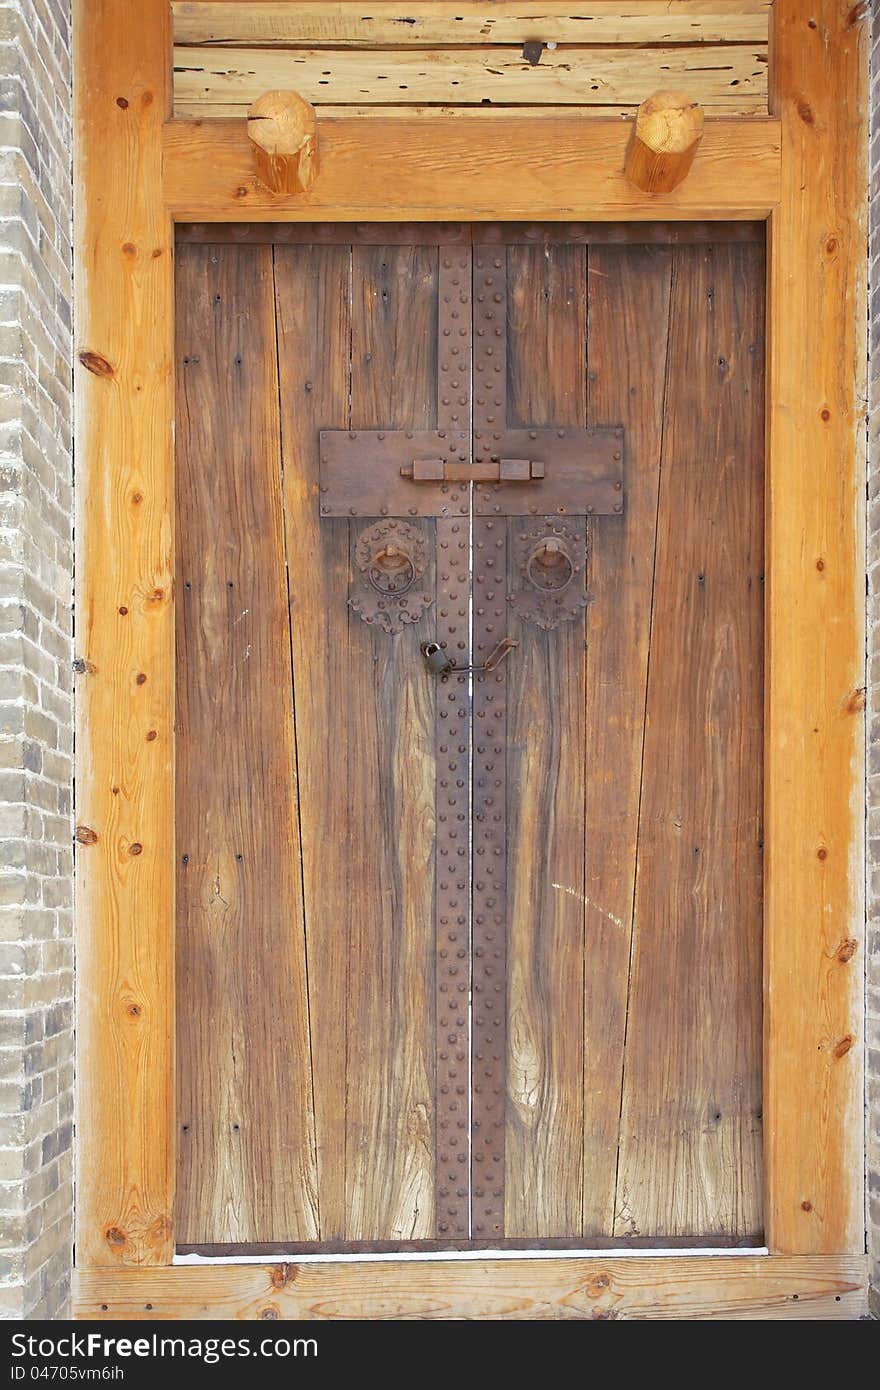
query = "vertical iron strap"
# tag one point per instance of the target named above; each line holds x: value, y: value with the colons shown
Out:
x: 452, y: 744
x: 489, y: 883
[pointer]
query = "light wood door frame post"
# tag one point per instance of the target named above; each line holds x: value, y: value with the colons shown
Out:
x: 815, y: 625
x: 124, y: 405
x: 137, y: 172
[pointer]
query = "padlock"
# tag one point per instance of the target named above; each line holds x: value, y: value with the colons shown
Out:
x: 436, y: 660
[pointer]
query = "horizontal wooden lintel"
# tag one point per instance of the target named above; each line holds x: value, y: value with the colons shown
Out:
x: 686, y: 1287
x: 730, y: 76
x: 447, y: 167
x: 340, y: 23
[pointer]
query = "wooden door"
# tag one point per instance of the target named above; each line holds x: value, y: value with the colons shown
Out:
x: 469, y: 957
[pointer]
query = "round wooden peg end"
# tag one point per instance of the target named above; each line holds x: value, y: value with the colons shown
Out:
x: 283, y: 129
x: 667, y: 131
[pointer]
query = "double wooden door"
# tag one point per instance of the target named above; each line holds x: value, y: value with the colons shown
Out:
x: 469, y: 957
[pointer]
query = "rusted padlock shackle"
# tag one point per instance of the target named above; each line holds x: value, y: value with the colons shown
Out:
x: 439, y: 664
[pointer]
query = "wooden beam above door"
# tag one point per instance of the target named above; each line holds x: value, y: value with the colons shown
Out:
x: 471, y: 52
x: 724, y: 77
x: 447, y: 23
x: 392, y: 169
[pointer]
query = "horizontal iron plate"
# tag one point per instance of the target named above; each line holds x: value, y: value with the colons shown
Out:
x: 360, y: 473
x: 583, y: 473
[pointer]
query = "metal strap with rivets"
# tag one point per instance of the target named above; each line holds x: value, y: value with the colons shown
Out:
x: 489, y: 887
x: 452, y: 743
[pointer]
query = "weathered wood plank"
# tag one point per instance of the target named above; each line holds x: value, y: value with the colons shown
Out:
x: 445, y: 22
x: 125, y: 631
x: 815, y: 638
x: 629, y: 292
x: 695, y: 1288
x: 231, y: 110
x: 690, y: 1141
x: 547, y: 353
x: 732, y: 75
x: 312, y: 289
x: 437, y: 167
x: 460, y: 234
x: 245, y: 1107
x: 388, y: 847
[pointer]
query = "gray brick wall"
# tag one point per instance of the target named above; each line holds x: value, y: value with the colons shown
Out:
x: 873, y: 899
x: 36, y: 942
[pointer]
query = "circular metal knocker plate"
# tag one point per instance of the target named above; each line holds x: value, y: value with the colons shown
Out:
x: 551, y: 562
x: 392, y: 572
x: 550, y: 567
x: 391, y: 559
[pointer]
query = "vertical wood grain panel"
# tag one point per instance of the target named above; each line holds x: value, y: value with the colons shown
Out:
x: 547, y: 352
x: 312, y: 286
x: 629, y: 290
x: 125, y: 632
x: 247, y: 1159
x: 815, y: 637
x: 390, y: 795
x: 690, y: 1143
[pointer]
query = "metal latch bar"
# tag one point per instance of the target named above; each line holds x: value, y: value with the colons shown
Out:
x: 482, y: 471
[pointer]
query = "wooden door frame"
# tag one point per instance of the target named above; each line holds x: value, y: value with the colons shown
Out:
x: 803, y: 169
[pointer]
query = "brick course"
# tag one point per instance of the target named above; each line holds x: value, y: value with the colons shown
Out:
x: 36, y: 738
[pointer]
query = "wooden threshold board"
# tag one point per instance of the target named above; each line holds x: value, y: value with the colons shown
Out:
x: 688, y: 1287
